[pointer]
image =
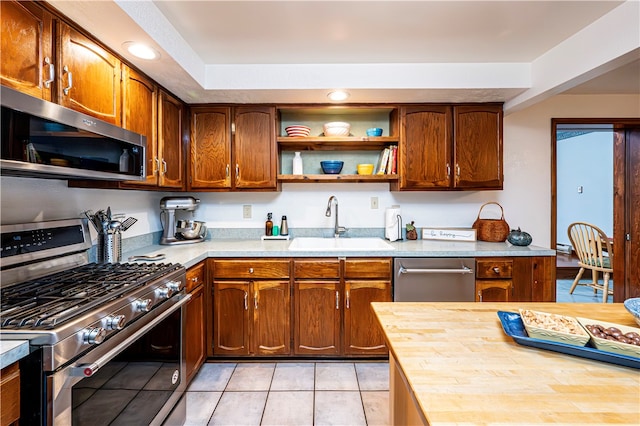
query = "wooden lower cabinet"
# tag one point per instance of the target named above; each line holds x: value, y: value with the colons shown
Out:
x: 10, y: 394
x: 516, y: 279
x: 362, y: 333
x: 195, y: 349
x: 317, y: 317
x: 251, y: 307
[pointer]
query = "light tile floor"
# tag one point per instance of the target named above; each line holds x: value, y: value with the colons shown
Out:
x: 288, y: 393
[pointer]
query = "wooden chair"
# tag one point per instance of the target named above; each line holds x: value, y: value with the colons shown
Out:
x: 590, y: 245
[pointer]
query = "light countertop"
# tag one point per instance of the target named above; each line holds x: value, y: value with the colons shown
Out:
x: 459, y: 367
x: 12, y: 351
x: 190, y: 254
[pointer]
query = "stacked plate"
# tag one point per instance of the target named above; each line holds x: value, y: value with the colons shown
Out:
x: 297, y: 131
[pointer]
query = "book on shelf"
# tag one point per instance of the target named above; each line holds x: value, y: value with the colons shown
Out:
x: 384, y: 160
x: 393, y: 154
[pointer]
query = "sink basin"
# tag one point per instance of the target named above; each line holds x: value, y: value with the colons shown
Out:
x: 330, y: 244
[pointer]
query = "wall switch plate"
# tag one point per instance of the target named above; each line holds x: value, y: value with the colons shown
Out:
x: 246, y: 211
x: 374, y: 203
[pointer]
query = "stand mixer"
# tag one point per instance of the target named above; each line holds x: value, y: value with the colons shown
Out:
x: 180, y: 231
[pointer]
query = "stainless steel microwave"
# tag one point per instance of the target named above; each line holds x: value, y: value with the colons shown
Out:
x: 45, y: 140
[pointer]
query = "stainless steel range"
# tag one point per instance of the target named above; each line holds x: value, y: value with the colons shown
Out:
x: 106, y: 340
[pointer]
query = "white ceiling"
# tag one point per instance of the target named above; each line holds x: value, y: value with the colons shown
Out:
x: 518, y: 52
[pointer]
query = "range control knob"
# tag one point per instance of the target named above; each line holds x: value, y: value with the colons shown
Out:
x: 142, y: 305
x: 174, y: 285
x: 115, y: 322
x: 164, y: 292
x: 94, y: 335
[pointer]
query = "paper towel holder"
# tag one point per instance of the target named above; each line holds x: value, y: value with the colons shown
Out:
x: 399, y: 227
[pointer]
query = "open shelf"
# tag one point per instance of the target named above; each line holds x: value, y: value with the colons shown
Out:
x: 332, y: 144
x: 336, y: 178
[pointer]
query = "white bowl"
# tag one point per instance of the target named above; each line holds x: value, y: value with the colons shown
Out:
x: 336, y: 128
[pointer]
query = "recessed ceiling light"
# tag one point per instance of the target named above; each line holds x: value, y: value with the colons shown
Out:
x: 142, y: 51
x: 338, y: 95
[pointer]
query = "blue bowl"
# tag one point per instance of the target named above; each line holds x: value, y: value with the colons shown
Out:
x: 374, y: 131
x: 331, y: 167
x: 633, y: 306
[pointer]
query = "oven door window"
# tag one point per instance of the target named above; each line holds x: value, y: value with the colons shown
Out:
x: 133, y: 388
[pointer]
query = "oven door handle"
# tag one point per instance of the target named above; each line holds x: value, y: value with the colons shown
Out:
x: 88, y: 370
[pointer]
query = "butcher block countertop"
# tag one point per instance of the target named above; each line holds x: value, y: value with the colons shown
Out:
x: 452, y: 363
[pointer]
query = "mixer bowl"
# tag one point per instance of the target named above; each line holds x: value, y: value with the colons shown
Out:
x: 191, y: 229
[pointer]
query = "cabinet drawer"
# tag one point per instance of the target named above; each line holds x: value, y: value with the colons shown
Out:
x: 317, y: 268
x: 195, y: 276
x: 251, y: 269
x: 494, y: 268
x: 368, y: 268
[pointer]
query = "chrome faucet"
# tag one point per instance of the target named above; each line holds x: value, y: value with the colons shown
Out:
x: 337, y: 229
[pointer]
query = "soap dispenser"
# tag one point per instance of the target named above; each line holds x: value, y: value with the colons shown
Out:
x: 268, y: 228
x: 284, y: 228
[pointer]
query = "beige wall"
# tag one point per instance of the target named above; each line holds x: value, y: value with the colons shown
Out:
x: 527, y: 153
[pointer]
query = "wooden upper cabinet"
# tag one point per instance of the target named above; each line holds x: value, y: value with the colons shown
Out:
x: 88, y: 76
x: 425, y: 147
x: 222, y: 159
x: 140, y: 115
x: 170, y: 146
x: 27, y: 51
x: 210, y: 159
x: 478, y: 146
x: 255, y: 147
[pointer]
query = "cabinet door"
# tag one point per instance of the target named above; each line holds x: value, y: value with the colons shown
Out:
x: 170, y: 148
x: 140, y: 115
x: 255, y: 148
x: 210, y: 159
x: 195, y: 333
x: 362, y: 333
x: 478, y: 146
x: 425, y: 147
x: 231, y: 318
x: 271, y: 332
x: 493, y: 290
x: 317, y: 318
x: 88, y: 76
x: 27, y: 55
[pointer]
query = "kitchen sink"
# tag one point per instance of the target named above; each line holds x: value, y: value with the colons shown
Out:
x: 330, y: 244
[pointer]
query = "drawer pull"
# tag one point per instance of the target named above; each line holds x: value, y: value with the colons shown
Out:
x: 496, y: 269
x: 251, y: 270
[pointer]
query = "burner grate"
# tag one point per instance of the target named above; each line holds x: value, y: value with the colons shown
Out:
x: 51, y: 300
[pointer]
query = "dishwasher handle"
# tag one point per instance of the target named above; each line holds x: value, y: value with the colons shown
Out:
x: 463, y: 270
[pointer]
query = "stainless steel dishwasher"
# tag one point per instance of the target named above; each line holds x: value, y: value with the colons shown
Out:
x: 434, y: 279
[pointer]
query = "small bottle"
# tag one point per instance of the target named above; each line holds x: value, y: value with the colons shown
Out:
x: 124, y: 161
x: 268, y: 229
x: 297, y: 164
x: 284, y: 228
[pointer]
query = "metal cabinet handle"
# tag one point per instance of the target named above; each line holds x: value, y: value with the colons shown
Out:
x: 337, y: 300
x: 156, y: 162
x: 246, y: 302
x: 255, y: 299
x: 496, y: 270
x: 164, y: 167
x: 458, y: 170
x: 480, y: 296
x: 237, y: 171
x: 52, y: 72
x: 226, y: 171
x: 463, y: 270
x: 194, y: 279
x: 251, y: 270
x: 347, y: 299
x: 69, y: 80
x: 448, y: 170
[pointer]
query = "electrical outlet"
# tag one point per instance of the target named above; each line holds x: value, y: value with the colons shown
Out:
x: 246, y: 211
x: 374, y: 203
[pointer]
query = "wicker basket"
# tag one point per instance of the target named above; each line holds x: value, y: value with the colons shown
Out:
x: 492, y: 230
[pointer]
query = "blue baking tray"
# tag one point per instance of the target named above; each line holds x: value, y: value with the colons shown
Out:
x: 513, y: 326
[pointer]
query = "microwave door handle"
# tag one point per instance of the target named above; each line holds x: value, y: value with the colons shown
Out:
x: 88, y: 370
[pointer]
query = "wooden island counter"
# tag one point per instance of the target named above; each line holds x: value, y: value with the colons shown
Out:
x: 452, y: 363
